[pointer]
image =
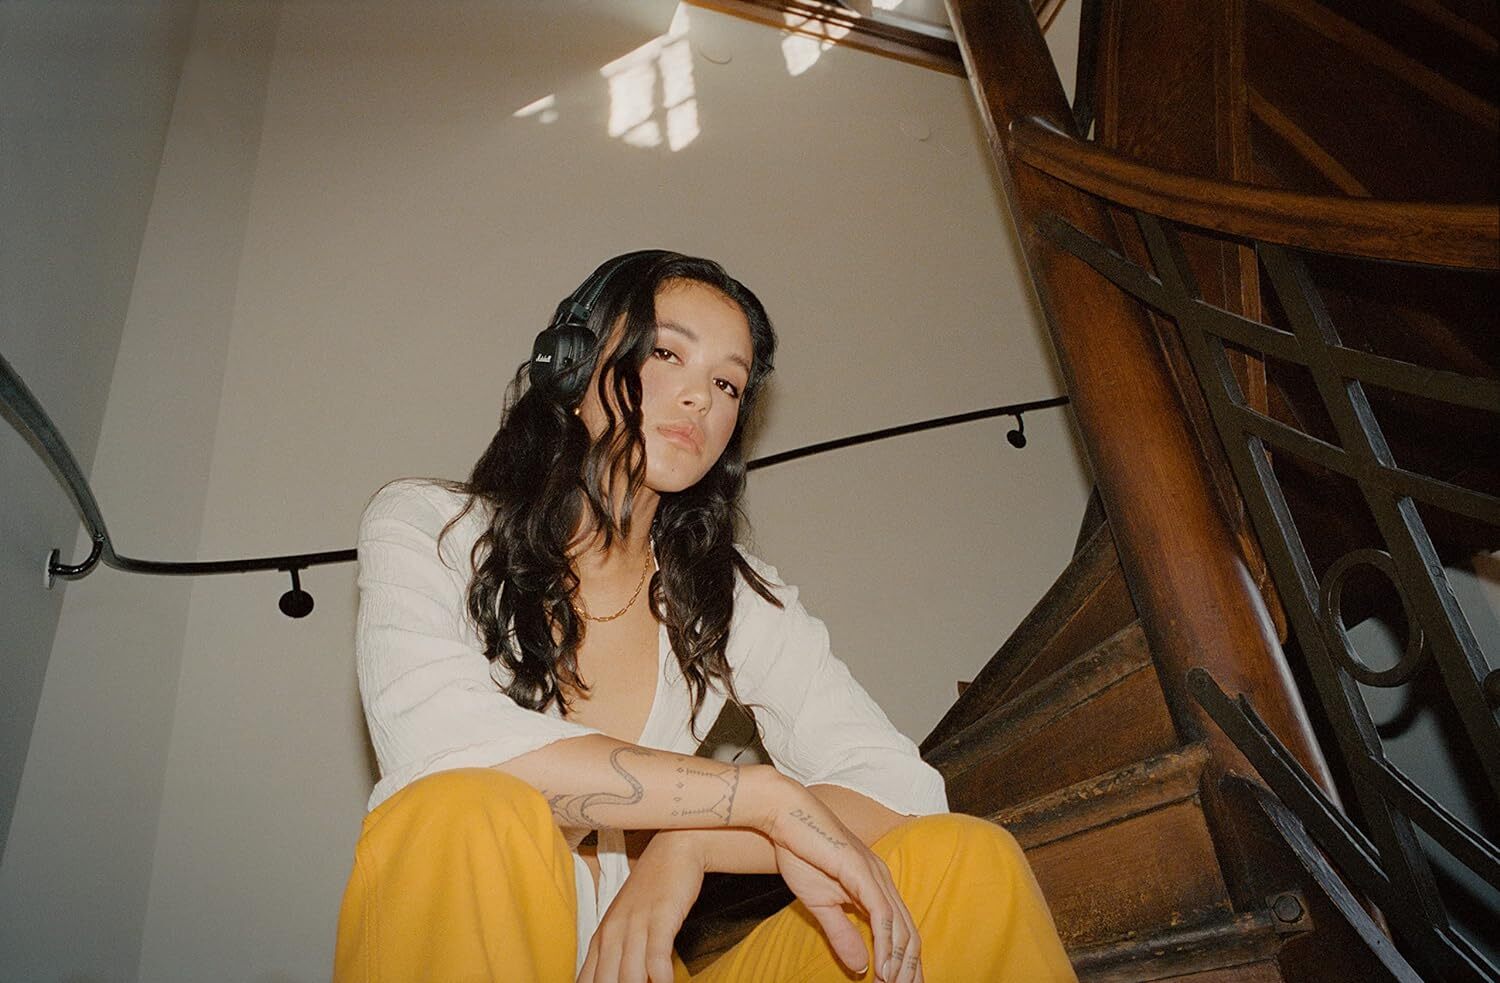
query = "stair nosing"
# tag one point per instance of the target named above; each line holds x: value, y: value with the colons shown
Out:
x: 1181, y: 948
x: 1168, y: 778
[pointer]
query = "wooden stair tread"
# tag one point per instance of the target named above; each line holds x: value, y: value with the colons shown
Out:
x: 1082, y: 608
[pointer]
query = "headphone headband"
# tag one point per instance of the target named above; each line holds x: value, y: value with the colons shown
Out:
x: 567, y: 340
x: 574, y: 310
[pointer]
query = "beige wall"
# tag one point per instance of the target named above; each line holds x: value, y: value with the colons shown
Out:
x: 85, y: 94
x: 77, y: 868
x: 394, y: 235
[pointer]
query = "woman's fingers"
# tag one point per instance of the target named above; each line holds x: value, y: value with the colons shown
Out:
x: 894, y: 931
x: 842, y: 936
x: 640, y: 952
x: 658, y: 955
x: 814, y: 835
x: 633, y: 953
x: 906, y: 943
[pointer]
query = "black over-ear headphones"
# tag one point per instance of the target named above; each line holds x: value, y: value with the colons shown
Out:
x: 568, y: 341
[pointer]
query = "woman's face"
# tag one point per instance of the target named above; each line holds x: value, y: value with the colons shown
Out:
x: 690, y: 386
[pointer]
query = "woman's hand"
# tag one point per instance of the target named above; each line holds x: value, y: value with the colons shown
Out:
x: 634, y: 941
x: 822, y: 861
x: 827, y: 866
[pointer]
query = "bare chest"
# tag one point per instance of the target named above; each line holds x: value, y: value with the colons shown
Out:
x: 619, y: 660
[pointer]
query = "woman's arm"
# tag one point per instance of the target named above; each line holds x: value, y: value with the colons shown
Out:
x: 599, y: 781
x: 596, y: 781
x: 746, y: 851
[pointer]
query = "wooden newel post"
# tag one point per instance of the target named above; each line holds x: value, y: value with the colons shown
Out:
x: 1197, y: 600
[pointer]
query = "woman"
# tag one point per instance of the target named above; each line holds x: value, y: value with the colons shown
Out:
x: 541, y: 648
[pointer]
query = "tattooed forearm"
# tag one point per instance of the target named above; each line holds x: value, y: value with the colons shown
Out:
x: 807, y: 820
x: 727, y: 779
x: 704, y: 793
x: 577, y: 810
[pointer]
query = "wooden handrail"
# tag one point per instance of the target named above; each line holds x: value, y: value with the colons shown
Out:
x: 1196, y: 597
x: 1465, y: 236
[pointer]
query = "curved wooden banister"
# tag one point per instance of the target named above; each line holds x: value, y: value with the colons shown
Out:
x: 1196, y: 597
x: 1465, y: 236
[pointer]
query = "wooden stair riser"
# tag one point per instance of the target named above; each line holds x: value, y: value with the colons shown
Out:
x: 1154, y: 870
x: 1110, y: 609
x: 1094, y: 671
x: 1120, y: 725
x: 1102, y: 712
x: 1129, y: 853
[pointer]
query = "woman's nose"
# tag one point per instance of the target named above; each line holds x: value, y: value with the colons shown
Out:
x: 698, y: 395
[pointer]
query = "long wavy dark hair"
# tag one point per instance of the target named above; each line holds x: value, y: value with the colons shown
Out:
x: 546, y: 477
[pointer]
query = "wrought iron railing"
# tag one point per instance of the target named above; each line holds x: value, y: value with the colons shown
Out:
x: 24, y: 411
x: 1382, y: 856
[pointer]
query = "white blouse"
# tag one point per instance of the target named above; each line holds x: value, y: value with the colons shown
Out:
x: 433, y: 702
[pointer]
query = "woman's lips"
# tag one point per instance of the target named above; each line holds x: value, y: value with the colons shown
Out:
x: 685, y: 436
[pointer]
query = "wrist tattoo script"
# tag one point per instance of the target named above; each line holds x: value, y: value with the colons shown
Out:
x: 726, y: 782
x: 806, y: 819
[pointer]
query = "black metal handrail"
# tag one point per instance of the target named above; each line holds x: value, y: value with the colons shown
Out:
x: 1385, y: 860
x: 26, y: 414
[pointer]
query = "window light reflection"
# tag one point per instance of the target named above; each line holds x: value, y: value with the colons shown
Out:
x: 802, y: 50
x: 808, y: 39
x: 662, y: 68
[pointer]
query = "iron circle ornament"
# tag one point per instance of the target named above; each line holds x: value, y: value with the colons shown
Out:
x: 1332, y: 615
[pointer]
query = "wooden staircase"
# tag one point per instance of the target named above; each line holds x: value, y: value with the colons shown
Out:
x: 1082, y: 735
x: 1067, y: 740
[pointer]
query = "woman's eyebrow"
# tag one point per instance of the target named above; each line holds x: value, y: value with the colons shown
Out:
x: 692, y: 335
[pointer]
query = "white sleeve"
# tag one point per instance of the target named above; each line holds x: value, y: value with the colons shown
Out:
x: 430, y: 701
x: 818, y: 723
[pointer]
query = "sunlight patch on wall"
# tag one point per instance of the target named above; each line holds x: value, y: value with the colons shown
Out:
x: 544, y: 109
x: 651, y: 91
x: 802, y: 50
x: 809, y: 38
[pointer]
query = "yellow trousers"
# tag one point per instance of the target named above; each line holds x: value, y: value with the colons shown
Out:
x: 464, y: 876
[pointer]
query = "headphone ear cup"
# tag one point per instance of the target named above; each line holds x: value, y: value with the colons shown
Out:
x: 557, y: 359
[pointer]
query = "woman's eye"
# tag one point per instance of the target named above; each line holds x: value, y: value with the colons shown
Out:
x: 665, y: 354
x: 728, y: 387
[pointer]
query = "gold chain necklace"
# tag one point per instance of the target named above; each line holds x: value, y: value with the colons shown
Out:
x: 645, y: 572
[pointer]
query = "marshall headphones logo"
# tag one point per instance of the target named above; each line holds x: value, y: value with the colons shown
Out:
x: 544, y: 358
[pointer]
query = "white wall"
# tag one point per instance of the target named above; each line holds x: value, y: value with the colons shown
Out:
x: 394, y: 234
x: 85, y: 94
x: 77, y: 868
